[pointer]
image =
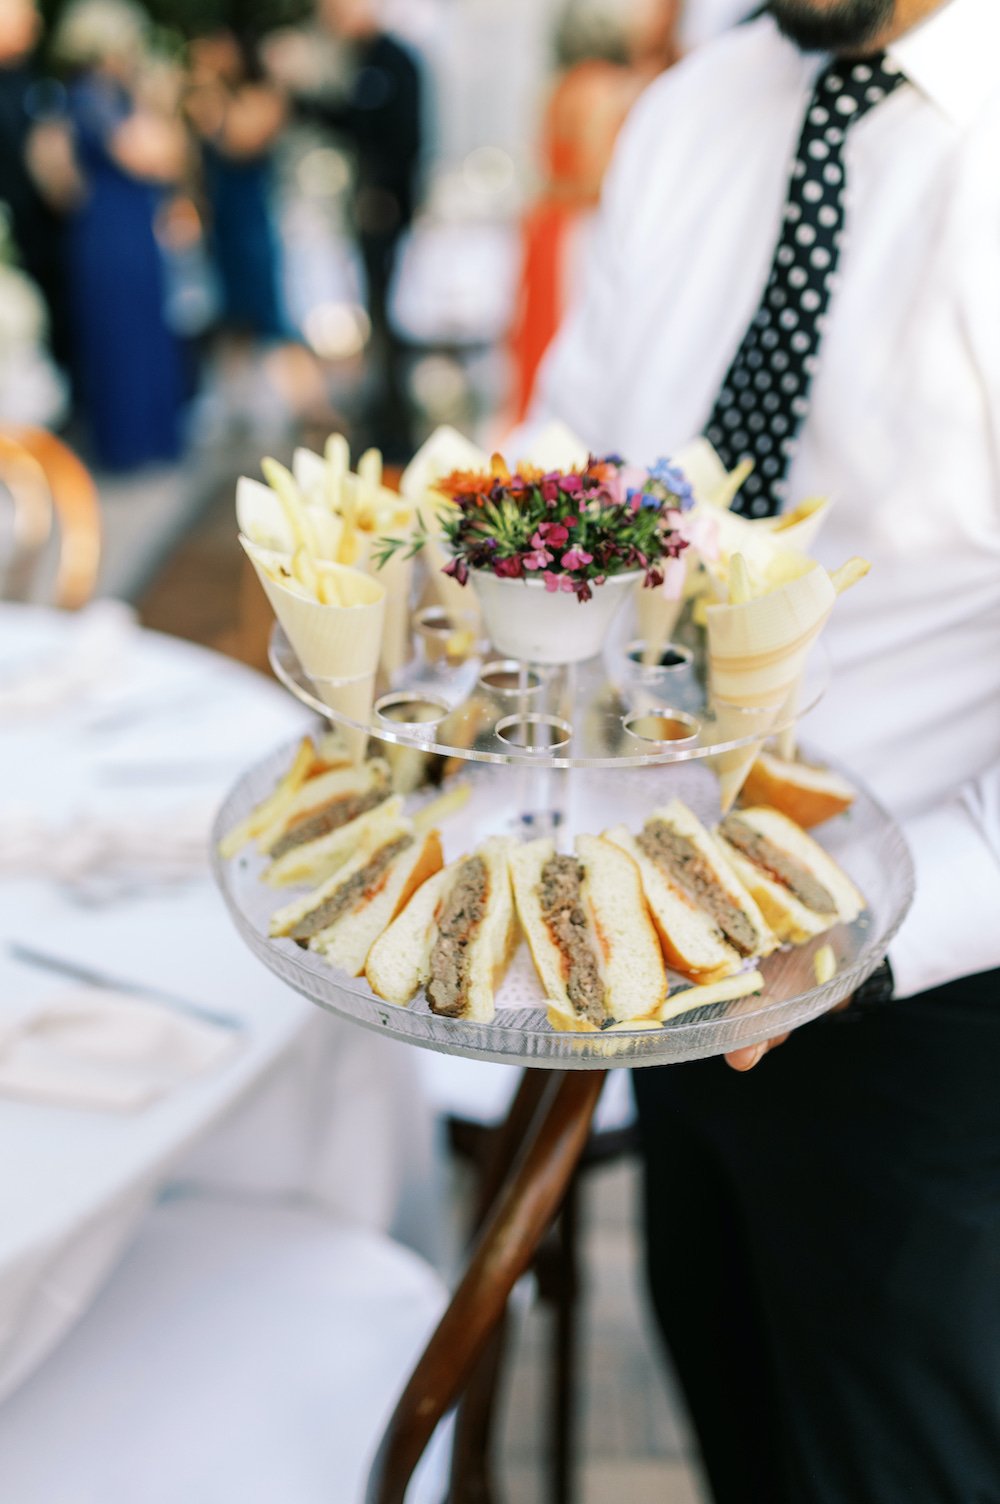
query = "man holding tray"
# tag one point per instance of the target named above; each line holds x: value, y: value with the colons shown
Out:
x: 800, y: 257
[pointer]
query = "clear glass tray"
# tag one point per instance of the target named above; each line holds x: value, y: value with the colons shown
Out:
x: 610, y: 711
x: 525, y: 801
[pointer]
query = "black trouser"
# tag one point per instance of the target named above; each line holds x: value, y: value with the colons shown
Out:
x: 823, y: 1243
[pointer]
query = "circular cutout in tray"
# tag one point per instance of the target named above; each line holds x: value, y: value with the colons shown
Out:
x: 608, y: 712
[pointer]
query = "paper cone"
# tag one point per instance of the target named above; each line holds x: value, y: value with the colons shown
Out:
x: 757, y: 651
x: 337, y: 646
x: 444, y: 452
x: 396, y: 576
x: 352, y: 699
x: 657, y: 616
x: 263, y: 520
x: 555, y: 447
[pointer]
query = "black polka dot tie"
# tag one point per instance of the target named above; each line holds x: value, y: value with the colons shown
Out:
x: 765, y: 396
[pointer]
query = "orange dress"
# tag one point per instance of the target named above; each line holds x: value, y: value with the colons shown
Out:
x: 582, y: 121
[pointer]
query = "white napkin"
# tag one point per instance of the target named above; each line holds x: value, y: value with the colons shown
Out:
x: 86, y: 1047
x: 104, y: 857
x: 88, y: 660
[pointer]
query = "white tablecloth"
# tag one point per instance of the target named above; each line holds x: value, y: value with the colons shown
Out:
x: 310, y: 1106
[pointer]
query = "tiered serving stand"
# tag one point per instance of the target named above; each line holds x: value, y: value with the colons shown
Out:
x: 553, y: 750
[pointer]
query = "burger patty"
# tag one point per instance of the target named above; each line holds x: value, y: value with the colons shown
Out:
x: 566, y: 922
x: 461, y: 916
x: 784, y: 869
x: 350, y: 893
x: 320, y: 822
x: 683, y: 865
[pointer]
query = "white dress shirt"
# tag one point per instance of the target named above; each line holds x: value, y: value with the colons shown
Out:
x: 701, y: 20
x: 904, y: 423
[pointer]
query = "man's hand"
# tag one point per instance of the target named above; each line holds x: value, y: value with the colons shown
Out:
x: 752, y: 1054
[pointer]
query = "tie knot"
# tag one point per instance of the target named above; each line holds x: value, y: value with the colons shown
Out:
x: 850, y: 89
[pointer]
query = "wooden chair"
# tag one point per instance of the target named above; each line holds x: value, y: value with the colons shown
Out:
x: 556, y: 1266
x: 52, y: 492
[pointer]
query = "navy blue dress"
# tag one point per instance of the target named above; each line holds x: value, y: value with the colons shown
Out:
x: 128, y: 362
x: 244, y: 242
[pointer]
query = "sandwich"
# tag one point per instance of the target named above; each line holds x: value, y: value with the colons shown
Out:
x: 454, y: 938
x: 310, y: 760
x: 806, y: 794
x: 323, y: 804
x: 708, y: 922
x: 314, y: 861
x: 589, y: 932
x: 797, y: 884
x: 343, y: 918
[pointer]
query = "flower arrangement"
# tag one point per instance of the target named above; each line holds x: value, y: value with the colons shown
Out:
x: 571, y: 529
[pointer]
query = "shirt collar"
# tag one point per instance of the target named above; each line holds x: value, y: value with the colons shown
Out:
x: 952, y: 56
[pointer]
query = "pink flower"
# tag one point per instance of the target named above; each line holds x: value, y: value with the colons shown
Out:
x: 628, y: 478
x: 572, y: 485
x: 550, y: 535
x: 508, y: 569
x: 554, y: 582
x: 576, y: 558
x: 538, y: 559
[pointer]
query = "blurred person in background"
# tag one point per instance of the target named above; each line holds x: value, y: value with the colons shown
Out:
x: 607, y: 53
x: 38, y: 179
x: 131, y: 152
x: 372, y: 100
x: 798, y: 256
x: 238, y: 118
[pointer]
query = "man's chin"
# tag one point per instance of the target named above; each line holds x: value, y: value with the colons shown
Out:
x: 844, y: 26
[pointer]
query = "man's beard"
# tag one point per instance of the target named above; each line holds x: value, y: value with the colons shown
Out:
x: 847, y: 26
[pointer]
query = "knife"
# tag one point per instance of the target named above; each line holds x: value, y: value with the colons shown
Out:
x: 94, y: 978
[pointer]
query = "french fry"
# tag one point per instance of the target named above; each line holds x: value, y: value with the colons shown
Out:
x: 824, y: 965
x: 726, y: 991
x: 306, y: 573
x: 740, y: 587
x: 282, y: 483
x: 727, y: 491
x: 330, y: 592
x: 337, y: 454
x: 442, y: 808
x: 849, y: 574
x: 271, y: 809
x: 568, y: 1021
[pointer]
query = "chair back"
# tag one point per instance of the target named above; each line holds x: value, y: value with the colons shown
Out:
x: 52, y: 492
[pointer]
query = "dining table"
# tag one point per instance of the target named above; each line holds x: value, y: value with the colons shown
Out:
x: 110, y: 733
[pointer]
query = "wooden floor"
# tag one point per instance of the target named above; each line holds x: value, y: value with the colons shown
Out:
x: 635, y: 1447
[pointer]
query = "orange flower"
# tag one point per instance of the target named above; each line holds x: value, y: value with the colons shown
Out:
x: 465, y: 483
x: 498, y: 469
x: 532, y: 475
